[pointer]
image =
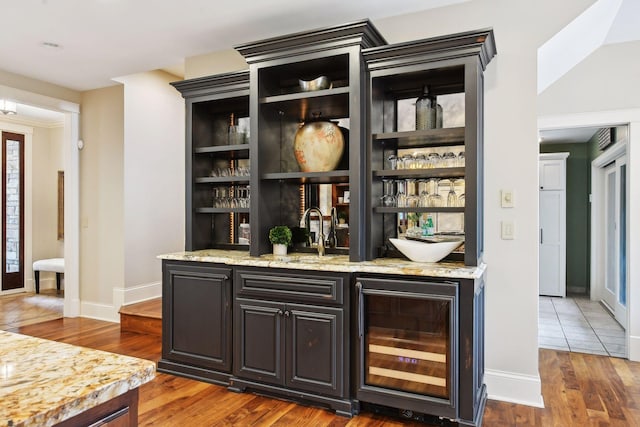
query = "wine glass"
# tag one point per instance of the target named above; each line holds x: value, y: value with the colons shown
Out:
x: 401, y: 196
x: 452, y: 197
x: 435, y: 199
x: 423, y: 193
x: 413, y: 199
x: 461, y: 200
x: 388, y: 198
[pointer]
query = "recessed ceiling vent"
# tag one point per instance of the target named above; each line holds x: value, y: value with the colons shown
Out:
x: 605, y: 137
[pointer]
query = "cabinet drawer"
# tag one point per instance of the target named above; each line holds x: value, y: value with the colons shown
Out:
x: 299, y: 286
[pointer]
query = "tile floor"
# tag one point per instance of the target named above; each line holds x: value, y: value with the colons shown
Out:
x: 580, y: 325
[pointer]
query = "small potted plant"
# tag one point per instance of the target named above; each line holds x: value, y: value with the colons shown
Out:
x: 280, y: 238
x: 342, y: 218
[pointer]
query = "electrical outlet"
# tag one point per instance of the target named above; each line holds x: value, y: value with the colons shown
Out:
x: 507, y: 230
x: 506, y: 198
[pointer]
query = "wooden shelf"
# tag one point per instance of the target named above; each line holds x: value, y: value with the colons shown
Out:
x: 330, y: 103
x: 421, y: 173
x: 222, y: 180
x: 221, y: 210
x: 231, y: 246
x: 384, y: 210
x: 422, y: 138
x: 310, y: 177
x: 223, y: 149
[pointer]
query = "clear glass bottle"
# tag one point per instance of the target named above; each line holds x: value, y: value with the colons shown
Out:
x: 425, y: 110
x: 244, y: 233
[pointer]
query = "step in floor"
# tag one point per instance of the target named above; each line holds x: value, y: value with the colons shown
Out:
x: 143, y: 317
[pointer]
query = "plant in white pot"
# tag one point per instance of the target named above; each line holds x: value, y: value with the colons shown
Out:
x: 280, y: 238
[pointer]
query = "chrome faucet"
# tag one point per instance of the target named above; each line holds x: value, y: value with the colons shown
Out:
x: 332, y: 237
x: 305, y: 217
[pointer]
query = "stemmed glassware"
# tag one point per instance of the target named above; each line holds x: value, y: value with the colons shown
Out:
x: 401, y: 195
x: 452, y: 197
x: 413, y: 198
x: 389, y: 197
x: 423, y: 193
x: 435, y: 199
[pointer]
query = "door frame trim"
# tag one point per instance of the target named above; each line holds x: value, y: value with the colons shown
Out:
x: 71, y: 111
x: 630, y: 117
x: 599, y: 167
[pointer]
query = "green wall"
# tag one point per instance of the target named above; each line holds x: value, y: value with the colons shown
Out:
x: 578, y: 212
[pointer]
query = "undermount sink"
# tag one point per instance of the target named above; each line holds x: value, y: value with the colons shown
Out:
x: 424, y: 251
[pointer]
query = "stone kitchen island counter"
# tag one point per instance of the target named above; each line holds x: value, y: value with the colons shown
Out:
x: 45, y: 383
x: 336, y: 263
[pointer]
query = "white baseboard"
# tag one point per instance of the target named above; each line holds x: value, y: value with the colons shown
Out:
x: 514, y: 388
x: 121, y: 296
x: 634, y: 348
x: 125, y: 296
x: 98, y: 311
x: 44, y: 284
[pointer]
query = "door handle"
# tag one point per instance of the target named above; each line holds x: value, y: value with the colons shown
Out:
x: 360, y: 310
x: 541, y: 236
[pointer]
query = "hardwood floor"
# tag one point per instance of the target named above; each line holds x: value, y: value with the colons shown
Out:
x: 578, y: 389
x: 27, y: 308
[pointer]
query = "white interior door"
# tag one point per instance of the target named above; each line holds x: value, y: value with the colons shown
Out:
x: 614, y: 294
x: 552, y: 266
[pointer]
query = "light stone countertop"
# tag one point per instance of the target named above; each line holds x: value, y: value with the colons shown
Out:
x: 45, y: 382
x: 340, y: 263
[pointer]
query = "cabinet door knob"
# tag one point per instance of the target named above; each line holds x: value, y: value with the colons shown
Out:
x: 280, y: 313
x: 287, y: 313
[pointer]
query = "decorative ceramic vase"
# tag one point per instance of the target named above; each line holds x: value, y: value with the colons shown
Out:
x: 279, y: 249
x: 318, y: 146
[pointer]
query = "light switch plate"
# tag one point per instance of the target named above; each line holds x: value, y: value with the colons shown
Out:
x: 506, y: 198
x: 507, y: 230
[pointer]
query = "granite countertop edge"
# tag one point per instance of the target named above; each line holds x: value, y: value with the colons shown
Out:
x: 337, y: 263
x: 54, y: 381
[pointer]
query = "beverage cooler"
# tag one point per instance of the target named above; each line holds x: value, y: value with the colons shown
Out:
x: 408, y: 345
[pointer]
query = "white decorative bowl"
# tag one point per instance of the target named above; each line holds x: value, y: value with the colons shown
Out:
x: 425, y: 252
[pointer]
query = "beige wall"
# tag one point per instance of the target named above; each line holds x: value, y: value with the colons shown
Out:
x: 47, y: 160
x: 101, y: 197
x: 214, y: 63
x: 154, y: 136
x: 27, y: 84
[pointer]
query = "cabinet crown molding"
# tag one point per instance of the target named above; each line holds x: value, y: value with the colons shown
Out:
x: 478, y: 43
x: 362, y: 33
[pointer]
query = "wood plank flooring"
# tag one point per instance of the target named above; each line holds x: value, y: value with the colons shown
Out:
x: 578, y: 389
x: 27, y: 308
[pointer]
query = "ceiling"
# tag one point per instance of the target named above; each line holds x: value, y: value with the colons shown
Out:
x: 99, y: 40
x: 85, y: 44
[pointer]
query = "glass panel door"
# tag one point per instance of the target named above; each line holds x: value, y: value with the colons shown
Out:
x: 12, y: 210
x: 407, y: 344
x: 609, y: 294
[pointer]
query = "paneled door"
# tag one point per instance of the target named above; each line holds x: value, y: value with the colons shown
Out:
x: 553, y: 224
x: 12, y: 211
x: 614, y: 295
